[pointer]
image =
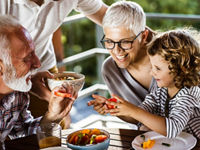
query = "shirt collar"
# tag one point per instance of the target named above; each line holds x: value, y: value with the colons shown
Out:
x: 31, y: 3
x: 7, y: 100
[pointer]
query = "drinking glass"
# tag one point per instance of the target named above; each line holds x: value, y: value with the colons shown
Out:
x: 49, y: 135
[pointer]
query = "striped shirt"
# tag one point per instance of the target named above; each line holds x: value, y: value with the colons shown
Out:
x: 183, y: 110
x: 15, y: 120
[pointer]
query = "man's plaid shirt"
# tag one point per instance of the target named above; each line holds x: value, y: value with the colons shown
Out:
x: 15, y: 119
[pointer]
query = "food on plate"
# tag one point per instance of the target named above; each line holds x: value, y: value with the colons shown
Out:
x: 148, y: 144
x: 166, y: 144
x: 87, y: 137
x: 142, y: 136
x: 111, y: 100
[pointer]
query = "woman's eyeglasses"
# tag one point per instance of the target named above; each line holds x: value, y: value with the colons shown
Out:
x: 124, y: 44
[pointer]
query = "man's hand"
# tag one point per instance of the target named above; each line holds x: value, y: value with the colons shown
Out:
x: 39, y: 87
x: 99, y: 104
x: 59, y: 107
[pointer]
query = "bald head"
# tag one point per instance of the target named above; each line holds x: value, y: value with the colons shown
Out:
x: 8, y: 25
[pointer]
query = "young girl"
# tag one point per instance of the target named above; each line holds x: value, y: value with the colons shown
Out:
x: 175, y: 106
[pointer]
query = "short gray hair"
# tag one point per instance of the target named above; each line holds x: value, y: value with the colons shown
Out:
x: 127, y: 14
x: 7, y: 24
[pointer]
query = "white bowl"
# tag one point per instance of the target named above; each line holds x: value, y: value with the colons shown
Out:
x: 77, y: 82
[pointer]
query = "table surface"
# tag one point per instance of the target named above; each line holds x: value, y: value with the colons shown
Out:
x: 120, y: 139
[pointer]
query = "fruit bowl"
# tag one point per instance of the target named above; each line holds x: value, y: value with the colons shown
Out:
x: 89, y: 139
x: 76, y: 80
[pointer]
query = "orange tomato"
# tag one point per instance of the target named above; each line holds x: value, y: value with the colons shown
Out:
x: 95, y: 131
x: 86, y: 131
x: 65, y: 95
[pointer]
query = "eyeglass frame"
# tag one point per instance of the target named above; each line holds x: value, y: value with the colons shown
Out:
x: 119, y: 42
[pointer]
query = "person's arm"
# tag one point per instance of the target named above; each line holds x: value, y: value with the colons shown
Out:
x: 58, y: 47
x: 57, y: 44
x: 99, y: 105
x: 59, y: 107
x: 128, y: 119
x: 25, y: 123
x: 125, y: 108
x: 98, y: 16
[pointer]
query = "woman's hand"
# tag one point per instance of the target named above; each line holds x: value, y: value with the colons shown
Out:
x: 99, y: 104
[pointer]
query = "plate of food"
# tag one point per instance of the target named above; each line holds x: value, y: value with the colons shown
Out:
x: 154, y: 141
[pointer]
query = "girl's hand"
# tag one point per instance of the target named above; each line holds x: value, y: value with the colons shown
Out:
x: 121, y: 107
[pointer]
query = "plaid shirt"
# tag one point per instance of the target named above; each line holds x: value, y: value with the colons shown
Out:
x: 15, y: 119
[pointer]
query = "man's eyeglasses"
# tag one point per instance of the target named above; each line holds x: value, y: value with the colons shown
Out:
x: 124, y: 44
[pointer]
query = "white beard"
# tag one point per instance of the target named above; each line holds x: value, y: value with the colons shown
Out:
x: 17, y: 84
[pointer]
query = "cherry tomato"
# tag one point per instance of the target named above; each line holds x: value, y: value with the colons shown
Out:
x: 75, y: 141
x: 100, y: 138
x: 111, y: 100
x: 71, y: 140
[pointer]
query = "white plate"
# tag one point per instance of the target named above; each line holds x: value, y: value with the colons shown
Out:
x: 184, y: 141
x: 56, y: 148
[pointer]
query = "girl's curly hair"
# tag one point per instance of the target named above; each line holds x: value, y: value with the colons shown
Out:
x: 182, y: 51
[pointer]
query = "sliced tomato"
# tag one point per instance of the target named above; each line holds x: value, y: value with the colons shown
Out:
x: 72, y: 138
x: 75, y: 140
x: 85, y: 140
x: 58, y: 93
x: 111, y: 100
x: 100, y: 138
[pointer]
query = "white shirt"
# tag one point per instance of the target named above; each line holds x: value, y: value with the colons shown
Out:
x: 42, y: 21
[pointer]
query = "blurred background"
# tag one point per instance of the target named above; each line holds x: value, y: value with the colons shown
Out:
x: 80, y: 35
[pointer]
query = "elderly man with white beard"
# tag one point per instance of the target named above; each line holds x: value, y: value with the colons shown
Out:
x: 18, y: 63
